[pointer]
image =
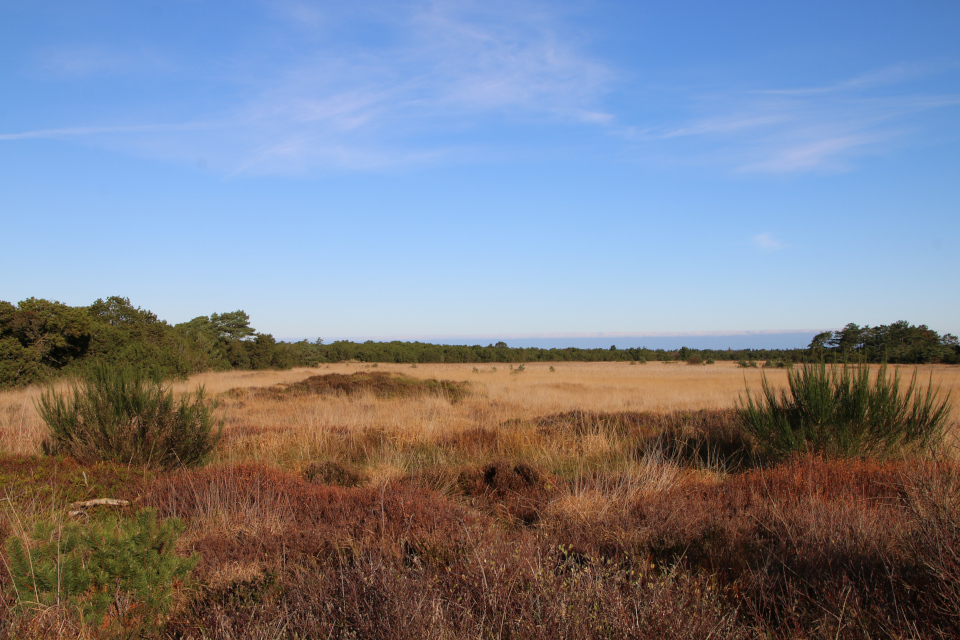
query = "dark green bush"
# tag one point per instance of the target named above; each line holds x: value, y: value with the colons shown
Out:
x: 777, y: 364
x: 839, y: 411
x: 117, y: 572
x: 121, y: 415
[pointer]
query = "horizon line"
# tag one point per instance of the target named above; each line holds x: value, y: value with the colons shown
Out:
x: 576, y: 335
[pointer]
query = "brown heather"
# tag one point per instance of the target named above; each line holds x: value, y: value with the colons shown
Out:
x: 596, y: 501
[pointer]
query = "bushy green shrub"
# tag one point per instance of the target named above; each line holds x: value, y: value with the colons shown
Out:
x: 777, y: 364
x: 119, y: 572
x: 120, y: 415
x: 839, y: 411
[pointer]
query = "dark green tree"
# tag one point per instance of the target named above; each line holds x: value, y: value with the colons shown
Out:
x: 118, y: 311
x: 38, y: 338
x: 233, y: 325
x: 849, y: 339
x: 819, y: 343
x: 125, y: 335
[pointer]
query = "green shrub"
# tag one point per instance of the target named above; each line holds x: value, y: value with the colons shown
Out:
x: 777, y: 364
x: 118, y: 415
x: 119, y: 572
x: 839, y: 411
x: 746, y: 364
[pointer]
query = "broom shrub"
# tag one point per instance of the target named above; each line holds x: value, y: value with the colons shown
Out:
x: 839, y: 411
x: 122, y: 415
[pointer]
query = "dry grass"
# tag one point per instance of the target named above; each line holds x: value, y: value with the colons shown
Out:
x: 598, y: 500
x: 393, y: 436
x: 293, y: 432
x: 21, y: 430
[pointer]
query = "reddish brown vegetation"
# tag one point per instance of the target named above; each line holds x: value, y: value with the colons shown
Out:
x: 332, y: 473
x: 517, y: 491
x: 509, y: 547
x: 404, y: 562
x: 811, y: 548
x: 377, y: 383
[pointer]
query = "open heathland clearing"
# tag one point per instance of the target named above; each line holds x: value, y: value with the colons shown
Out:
x: 536, y: 500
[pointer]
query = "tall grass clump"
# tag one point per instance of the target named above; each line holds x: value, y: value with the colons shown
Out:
x: 122, y: 415
x: 839, y: 411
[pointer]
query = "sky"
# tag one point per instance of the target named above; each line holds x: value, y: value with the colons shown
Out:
x: 552, y: 171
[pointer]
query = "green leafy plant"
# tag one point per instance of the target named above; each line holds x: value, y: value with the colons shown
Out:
x: 118, y: 573
x: 119, y: 415
x: 839, y: 411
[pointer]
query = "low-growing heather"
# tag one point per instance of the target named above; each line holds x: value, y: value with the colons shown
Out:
x: 810, y: 548
x: 378, y: 383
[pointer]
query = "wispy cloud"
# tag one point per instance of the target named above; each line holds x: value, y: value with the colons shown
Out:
x: 450, y: 65
x: 88, y: 60
x: 410, y: 85
x: 302, y: 13
x: 766, y: 242
x: 877, y: 78
x: 790, y: 130
x: 369, y: 87
x: 70, y: 132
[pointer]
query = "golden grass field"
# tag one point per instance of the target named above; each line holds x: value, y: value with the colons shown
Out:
x: 294, y: 431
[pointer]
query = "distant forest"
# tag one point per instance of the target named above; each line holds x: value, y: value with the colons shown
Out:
x: 43, y: 339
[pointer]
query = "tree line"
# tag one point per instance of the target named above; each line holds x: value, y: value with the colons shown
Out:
x: 900, y: 342
x: 43, y: 339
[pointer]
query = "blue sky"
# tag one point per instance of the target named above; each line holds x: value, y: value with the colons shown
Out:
x: 427, y: 169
